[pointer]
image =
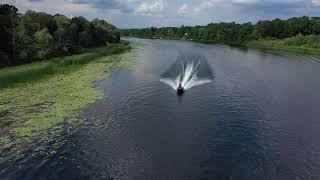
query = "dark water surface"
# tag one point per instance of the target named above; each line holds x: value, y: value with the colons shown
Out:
x: 258, y: 119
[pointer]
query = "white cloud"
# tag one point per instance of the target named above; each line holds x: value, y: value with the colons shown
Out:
x: 203, y: 7
x: 316, y: 2
x: 206, y: 5
x: 142, y: 13
x: 53, y: 7
x: 245, y: 1
x: 147, y: 7
x: 184, y: 9
x: 7, y: 1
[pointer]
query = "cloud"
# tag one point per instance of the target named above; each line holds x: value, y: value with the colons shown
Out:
x: 272, y: 6
x: 142, y: 7
x: 105, y: 4
x: 206, y: 5
x: 203, y: 7
x: 52, y: 7
x: 150, y: 7
x: 248, y: 2
x: 184, y: 9
x: 316, y: 2
x: 144, y: 13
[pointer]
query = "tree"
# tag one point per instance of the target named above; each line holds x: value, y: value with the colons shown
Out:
x: 61, y: 21
x: 85, y: 39
x: 8, y: 24
x: 43, y: 41
x: 62, y: 43
x: 36, y: 35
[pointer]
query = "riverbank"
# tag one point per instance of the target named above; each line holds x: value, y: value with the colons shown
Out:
x: 270, y: 44
x: 12, y: 76
x: 260, y: 44
x: 40, y: 97
x: 280, y: 45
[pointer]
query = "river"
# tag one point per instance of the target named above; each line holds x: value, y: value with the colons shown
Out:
x: 259, y: 118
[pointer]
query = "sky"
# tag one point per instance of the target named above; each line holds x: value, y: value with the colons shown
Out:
x: 147, y: 13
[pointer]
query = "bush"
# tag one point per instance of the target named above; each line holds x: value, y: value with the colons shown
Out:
x: 311, y: 41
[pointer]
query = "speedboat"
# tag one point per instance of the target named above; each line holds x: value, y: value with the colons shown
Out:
x: 180, y: 89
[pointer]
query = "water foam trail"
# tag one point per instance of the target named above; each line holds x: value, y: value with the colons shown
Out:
x: 188, y: 77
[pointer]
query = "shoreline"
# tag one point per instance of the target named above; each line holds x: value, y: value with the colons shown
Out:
x: 25, y: 73
x: 37, y: 111
x: 295, y: 49
x: 257, y: 44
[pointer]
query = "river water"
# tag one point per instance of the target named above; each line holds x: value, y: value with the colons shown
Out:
x: 258, y: 118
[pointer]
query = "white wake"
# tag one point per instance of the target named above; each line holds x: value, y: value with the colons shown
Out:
x: 188, y: 77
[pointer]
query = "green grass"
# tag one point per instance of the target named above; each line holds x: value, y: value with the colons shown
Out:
x: 281, y: 45
x: 36, y: 107
x: 32, y: 72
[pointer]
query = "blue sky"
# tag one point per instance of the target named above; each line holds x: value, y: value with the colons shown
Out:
x: 146, y: 13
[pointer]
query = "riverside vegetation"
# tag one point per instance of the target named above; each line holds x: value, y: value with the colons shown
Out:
x: 38, y: 107
x: 301, y: 34
x: 37, y: 36
x: 52, y: 61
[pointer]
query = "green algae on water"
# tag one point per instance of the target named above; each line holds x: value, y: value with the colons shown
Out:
x: 39, y: 108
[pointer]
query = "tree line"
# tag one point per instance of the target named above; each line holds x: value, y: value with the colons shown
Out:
x: 35, y: 36
x: 234, y: 32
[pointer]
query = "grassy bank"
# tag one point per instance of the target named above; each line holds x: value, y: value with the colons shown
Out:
x: 278, y: 45
x: 12, y: 76
x: 299, y: 43
x: 35, y: 107
x: 271, y: 44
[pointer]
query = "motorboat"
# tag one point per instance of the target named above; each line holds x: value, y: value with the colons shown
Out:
x: 180, y: 89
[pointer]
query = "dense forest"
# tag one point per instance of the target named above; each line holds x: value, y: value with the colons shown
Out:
x: 35, y: 36
x: 295, y: 31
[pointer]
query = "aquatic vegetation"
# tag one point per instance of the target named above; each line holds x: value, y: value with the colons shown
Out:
x: 38, y: 108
